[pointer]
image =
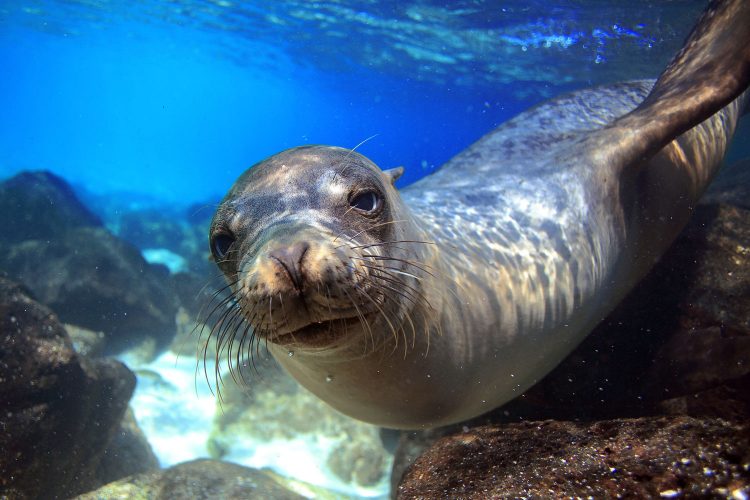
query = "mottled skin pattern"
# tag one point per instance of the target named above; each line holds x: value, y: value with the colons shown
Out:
x: 535, y: 233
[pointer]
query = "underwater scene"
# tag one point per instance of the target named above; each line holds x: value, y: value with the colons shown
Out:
x: 257, y: 249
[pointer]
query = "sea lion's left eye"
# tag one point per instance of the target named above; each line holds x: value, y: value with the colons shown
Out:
x: 368, y: 201
x: 220, y: 244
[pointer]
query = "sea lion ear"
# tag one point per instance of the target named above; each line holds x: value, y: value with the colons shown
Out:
x: 394, y: 173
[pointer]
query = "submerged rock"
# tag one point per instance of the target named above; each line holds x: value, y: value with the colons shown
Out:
x: 732, y: 185
x: 128, y: 453
x: 641, y: 458
x: 40, y: 205
x: 199, y: 479
x: 72, y: 264
x: 60, y: 410
x: 274, y: 409
x: 97, y: 281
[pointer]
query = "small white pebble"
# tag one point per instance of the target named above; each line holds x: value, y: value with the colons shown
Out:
x: 669, y: 493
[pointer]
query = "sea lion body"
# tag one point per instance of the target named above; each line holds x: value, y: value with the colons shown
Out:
x: 459, y: 293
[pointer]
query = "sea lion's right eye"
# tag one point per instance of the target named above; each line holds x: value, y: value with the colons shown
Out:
x: 220, y: 244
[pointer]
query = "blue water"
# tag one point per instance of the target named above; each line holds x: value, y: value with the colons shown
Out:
x: 174, y: 100
x: 148, y: 103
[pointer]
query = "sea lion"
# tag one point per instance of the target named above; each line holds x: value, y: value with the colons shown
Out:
x: 435, y: 304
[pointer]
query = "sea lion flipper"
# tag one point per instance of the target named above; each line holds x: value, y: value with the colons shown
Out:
x: 711, y: 70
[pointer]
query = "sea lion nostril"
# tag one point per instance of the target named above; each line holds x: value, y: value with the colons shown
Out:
x: 290, y: 258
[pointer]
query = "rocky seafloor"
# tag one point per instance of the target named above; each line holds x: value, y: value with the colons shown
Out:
x: 655, y: 403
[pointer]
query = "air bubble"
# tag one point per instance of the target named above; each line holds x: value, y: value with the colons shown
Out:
x: 290, y: 353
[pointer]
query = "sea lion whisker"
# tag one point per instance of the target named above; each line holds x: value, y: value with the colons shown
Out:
x: 372, y: 279
x: 248, y: 351
x: 410, y: 299
x: 426, y: 319
x: 422, y: 267
x: 239, y: 351
x: 221, y: 321
x: 426, y: 268
x: 285, y: 318
x: 399, y: 271
x: 249, y: 318
x: 236, y: 353
x: 423, y: 301
x: 229, y: 317
x: 397, y: 282
x: 226, y: 339
x: 211, y: 336
x: 407, y: 317
x: 233, y: 332
x: 205, y: 370
x: 363, y: 321
x: 346, y: 158
x: 363, y: 141
x: 201, y: 324
x: 343, y: 231
x: 229, y: 301
x: 200, y: 320
x: 256, y: 339
x: 225, y: 284
x: 270, y: 311
x: 351, y: 238
x: 392, y: 242
x: 385, y: 316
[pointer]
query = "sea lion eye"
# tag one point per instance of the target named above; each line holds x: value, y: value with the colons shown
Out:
x: 220, y: 244
x: 368, y: 201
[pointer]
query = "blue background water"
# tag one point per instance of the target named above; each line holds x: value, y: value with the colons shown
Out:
x: 154, y: 102
x: 172, y: 100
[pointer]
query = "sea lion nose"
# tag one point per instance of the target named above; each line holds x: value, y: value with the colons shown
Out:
x: 290, y: 257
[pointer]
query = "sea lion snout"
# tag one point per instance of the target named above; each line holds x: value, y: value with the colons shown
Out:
x: 290, y: 259
x: 302, y: 278
x: 303, y: 263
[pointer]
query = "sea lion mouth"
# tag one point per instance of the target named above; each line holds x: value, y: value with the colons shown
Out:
x: 321, y: 333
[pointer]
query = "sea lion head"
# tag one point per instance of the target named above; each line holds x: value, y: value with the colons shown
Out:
x: 313, y: 244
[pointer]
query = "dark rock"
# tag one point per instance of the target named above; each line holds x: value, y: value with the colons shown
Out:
x: 60, y: 251
x: 97, y: 281
x: 199, y: 293
x: 731, y: 186
x: 152, y: 229
x: 59, y: 410
x: 86, y: 342
x: 167, y: 228
x: 128, y: 453
x: 199, y: 479
x: 412, y: 444
x: 636, y: 458
x: 40, y: 205
x: 357, y: 462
